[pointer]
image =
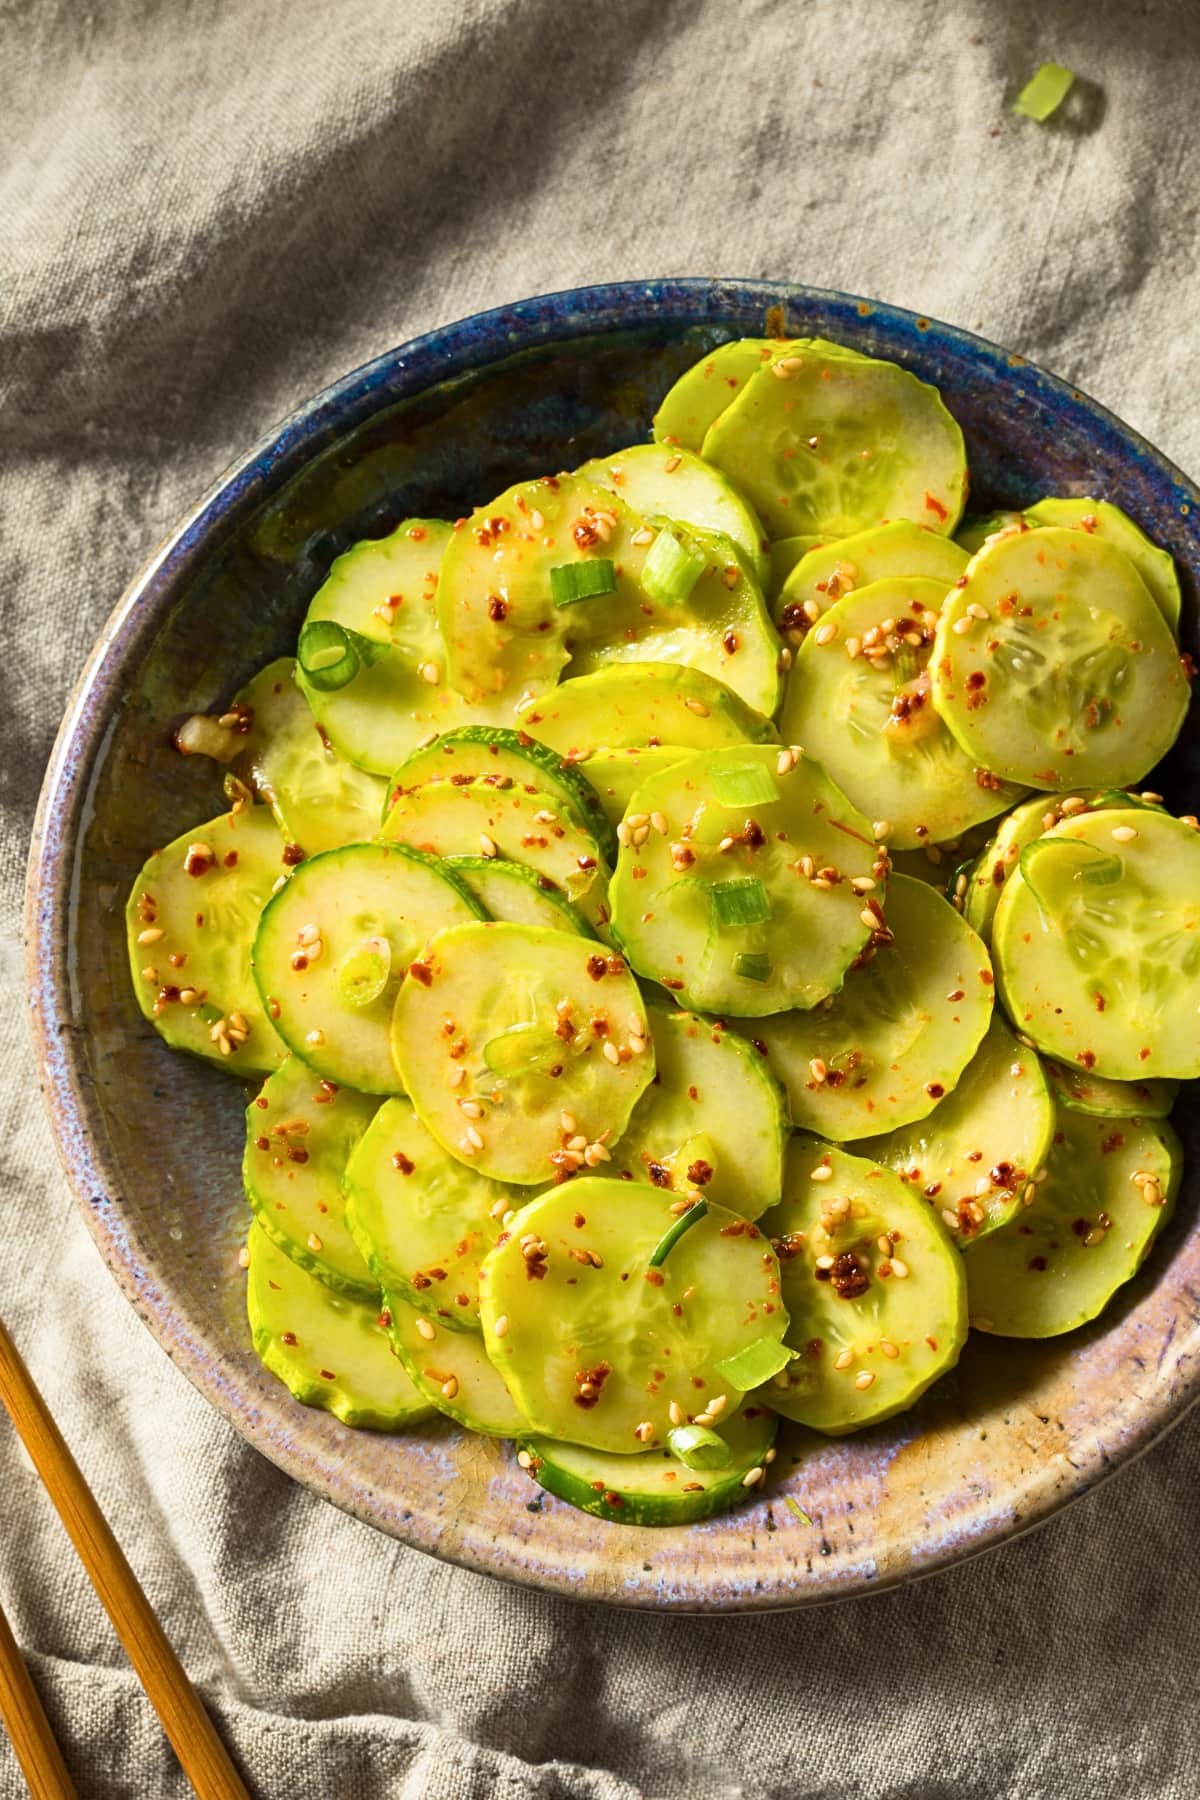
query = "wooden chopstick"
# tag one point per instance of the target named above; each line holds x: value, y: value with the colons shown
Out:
x: 37, y: 1751
x: 203, y: 1756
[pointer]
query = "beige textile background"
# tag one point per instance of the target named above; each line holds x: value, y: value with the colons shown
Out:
x: 208, y: 208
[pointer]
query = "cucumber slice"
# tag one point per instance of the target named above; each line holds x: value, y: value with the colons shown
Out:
x: 300, y: 1132
x: 421, y: 1220
x: 831, y: 444
x: 332, y: 948
x: 504, y: 759
x: 1065, y: 673
x: 714, y: 1118
x: 616, y: 775
x: 868, y: 717
x: 606, y: 1342
x: 653, y: 1488
x: 702, y: 392
x: 452, y: 1370
x: 189, y: 922
x: 973, y: 1156
x: 1104, y: 972
x: 1080, y: 1092
x: 1109, y: 1190
x: 517, y: 894
x: 785, y: 554
x: 977, y: 528
x: 673, y: 893
x: 1026, y: 823
x: 872, y: 1327
x: 898, y: 1036
x: 328, y: 1351
x: 674, y: 483
x: 897, y: 551
x: 520, y: 825
x: 722, y: 629
x: 543, y: 1024
x: 385, y: 591
x: 1156, y: 567
x: 320, y: 799
x: 640, y: 705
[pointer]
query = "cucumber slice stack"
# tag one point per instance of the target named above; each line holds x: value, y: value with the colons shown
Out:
x: 678, y: 1015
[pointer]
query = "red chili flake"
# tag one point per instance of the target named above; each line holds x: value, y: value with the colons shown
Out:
x: 934, y: 505
x: 579, y: 1221
x: 230, y: 859
x: 1087, y: 1058
x: 597, y: 968
x: 1115, y: 1142
x: 262, y: 1143
x: 934, y: 1089
x: 986, y: 976
x: 404, y: 1164
x: 612, y: 1499
x: 730, y: 641
x: 658, y: 1174
x: 421, y: 972
x: 297, y: 1153
x: 287, y: 1337
x: 669, y: 981
x: 497, y: 608
x: 700, y: 1172
x: 292, y: 854
x: 1037, y: 1262
x: 1188, y: 664
x: 655, y: 1277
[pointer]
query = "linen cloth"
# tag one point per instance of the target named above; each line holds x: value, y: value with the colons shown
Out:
x: 209, y: 209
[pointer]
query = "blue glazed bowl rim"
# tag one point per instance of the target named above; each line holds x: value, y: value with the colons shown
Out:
x: 460, y: 348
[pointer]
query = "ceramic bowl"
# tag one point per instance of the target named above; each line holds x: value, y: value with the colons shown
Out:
x: 152, y: 1140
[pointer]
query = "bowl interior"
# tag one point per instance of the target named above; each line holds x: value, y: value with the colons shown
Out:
x: 153, y: 1140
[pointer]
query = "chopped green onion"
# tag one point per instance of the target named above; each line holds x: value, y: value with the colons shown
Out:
x: 521, y: 1050
x: 575, y: 581
x: 750, y: 1367
x: 1044, y: 92
x: 671, y: 569
x: 746, y: 784
x: 794, y: 1505
x: 669, y: 1239
x: 330, y: 655
x: 752, y: 965
x: 1045, y: 863
x: 364, y: 973
x: 743, y: 902
x: 698, y: 1448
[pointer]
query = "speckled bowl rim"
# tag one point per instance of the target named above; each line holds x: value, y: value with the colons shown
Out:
x: 468, y: 344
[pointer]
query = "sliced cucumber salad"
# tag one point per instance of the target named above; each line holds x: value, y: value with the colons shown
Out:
x: 669, y: 1012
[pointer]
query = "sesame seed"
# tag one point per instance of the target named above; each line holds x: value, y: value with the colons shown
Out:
x: 659, y: 823
x: 949, y: 1219
x: 636, y: 820
x: 314, y: 1243
x: 884, y: 1245
x: 853, y: 648
x: 500, y: 1328
x: 889, y: 1349
x: 785, y: 657
x: 578, y: 1143
x: 429, y: 671
x: 450, y: 1388
x: 474, y: 1137
x: 678, y: 1207
x: 716, y: 1407
x: 770, y: 1455
x: 978, y: 612
x: 825, y: 634
x: 244, y: 1257
x: 427, y: 1331
x: 676, y: 1413
x: 637, y: 1044
x: 624, y: 835
x: 785, y: 762
x: 467, y: 1147
x: 315, y: 1038
x: 508, y: 1218
x: 865, y: 1380
x: 471, y: 1108
x: 643, y: 535
x: 640, y: 835
x: 150, y: 974
x: 962, y: 626
x: 882, y: 828
x: 671, y: 464
x: 863, y: 884
x: 817, y: 1070
x: 753, y: 1477
x: 456, y: 1077
x: 644, y: 1432
x: 487, y: 845
x: 899, y: 1269
x: 567, y: 1121
x: 308, y: 934
x: 498, y: 1207
x: 726, y: 843
x: 611, y: 1053
x: 869, y: 918
x: 825, y: 1262
x: 843, y: 1359
x: 151, y: 934
x: 822, y: 1172
x: 696, y: 706
x: 1124, y: 834
x: 982, y: 1186
x: 524, y: 1460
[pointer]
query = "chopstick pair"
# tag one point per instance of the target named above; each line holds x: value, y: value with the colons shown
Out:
x: 193, y: 1736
